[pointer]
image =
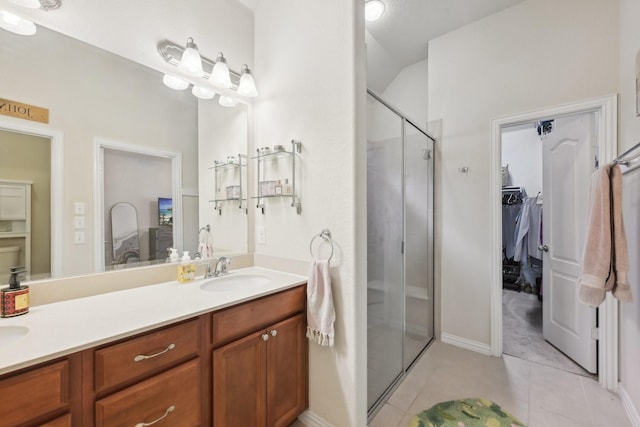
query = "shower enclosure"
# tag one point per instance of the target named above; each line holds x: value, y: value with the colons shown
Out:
x: 400, y: 303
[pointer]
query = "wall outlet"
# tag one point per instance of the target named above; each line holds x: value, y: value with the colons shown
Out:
x: 262, y: 236
x: 78, y: 238
x: 78, y: 222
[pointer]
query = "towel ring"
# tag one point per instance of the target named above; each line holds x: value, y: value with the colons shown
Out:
x: 326, y: 236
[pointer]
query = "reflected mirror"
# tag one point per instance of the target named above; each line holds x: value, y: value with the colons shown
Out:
x: 94, y: 95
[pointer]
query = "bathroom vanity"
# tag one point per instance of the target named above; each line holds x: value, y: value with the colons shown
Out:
x: 241, y: 361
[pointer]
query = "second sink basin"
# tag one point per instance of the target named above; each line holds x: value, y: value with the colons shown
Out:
x: 9, y: 334
x: 234, y: 283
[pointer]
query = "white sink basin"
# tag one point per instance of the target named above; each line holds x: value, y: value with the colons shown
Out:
x: 9, y: 334
x: 235, y: 283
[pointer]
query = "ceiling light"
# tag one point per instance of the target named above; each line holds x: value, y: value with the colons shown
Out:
x: 202, y: 92
x: 247, y: 86
x: 16, y: 24
x: 373, y: 10
x: 174, y: 82
x: 225, y: 101
x: 191, y: 63
x: 220, y: 74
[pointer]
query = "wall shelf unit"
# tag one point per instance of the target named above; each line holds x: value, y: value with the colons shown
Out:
x: 229, y: 173
x: 270, y: 162
x: 15, y: 218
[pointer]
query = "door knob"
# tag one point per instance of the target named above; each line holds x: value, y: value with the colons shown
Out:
x: 544, y: 248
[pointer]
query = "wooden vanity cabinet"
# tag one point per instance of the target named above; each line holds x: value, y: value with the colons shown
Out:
x: 46, y: 395
x: 261, y: 378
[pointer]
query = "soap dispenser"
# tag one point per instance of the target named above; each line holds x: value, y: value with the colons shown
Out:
x: 187, y: 269
x: 14, y: 300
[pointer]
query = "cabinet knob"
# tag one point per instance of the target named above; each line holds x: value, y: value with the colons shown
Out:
x: 265, y: 337
x: 274, y: 333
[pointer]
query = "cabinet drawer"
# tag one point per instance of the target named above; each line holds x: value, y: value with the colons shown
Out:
x: 34, y: 393
x: 174, y: 396
x: 241, y: 320
x: 143, y: 355
x: 64, y: 421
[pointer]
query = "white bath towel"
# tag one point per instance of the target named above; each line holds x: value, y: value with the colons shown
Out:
x: 205, y: 246
x: 321, y: 313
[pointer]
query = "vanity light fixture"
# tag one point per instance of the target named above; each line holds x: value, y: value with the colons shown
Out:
x: 216, y: 73
x: 16, y: 24
x: 174, y: 82
x: 373, y: 10
x: 38, y: 4
x: 225, y: 101
x: 247, y: 86
x: 202, y: 92
x: 191, y: 63
x: 220, y: 75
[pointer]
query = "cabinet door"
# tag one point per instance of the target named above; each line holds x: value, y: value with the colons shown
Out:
x: 13, y: 202
x: 286, y: 371
x: 239, y: 388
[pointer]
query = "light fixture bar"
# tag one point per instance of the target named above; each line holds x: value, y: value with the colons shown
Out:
x: 172, y: 54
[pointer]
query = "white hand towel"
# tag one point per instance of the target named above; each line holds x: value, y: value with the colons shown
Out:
x: 320, y: 311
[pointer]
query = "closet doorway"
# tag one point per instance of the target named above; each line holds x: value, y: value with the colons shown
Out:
x: 542, y: 242
x: 551, y: 155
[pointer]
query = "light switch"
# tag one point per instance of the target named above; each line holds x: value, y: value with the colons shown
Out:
x: 78, y: 238
x: 78, y: 208
x: 262, y: 236
x: 78, y: 222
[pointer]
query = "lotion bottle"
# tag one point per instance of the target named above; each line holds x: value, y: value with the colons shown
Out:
x: 187, y: 269
x: 14, y: 300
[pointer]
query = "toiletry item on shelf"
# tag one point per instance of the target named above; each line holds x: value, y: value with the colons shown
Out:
x: 272, y: 188
x: 231, y: 160
x: 173, y: 255
x: 264, y: 151
x: 233, y: 192
x: 187, y: 269
x: 287, y: 189
x: 267, y: 188
x: 14, y: 300
x: 278, y: 148
x: 278, y: 188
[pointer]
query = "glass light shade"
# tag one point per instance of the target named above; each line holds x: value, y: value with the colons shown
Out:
x: 191, y: 63
x: 373, y: 10
x: 16, y: 24
x: 174, y: 82
x: 225, y: 101
x: 202, y: 92
x: 220, y: 75
x: 31, y: 4
x: 247, y: 86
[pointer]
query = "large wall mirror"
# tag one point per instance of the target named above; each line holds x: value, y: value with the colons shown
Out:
x: 92, y: 96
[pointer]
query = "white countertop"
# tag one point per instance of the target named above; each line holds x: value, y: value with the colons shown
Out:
x: 65, y: 327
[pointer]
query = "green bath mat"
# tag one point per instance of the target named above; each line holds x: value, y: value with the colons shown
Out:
x: 465, y: 413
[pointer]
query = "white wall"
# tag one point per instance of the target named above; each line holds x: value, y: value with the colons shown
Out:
x: 538, y: 53
x: 310, y: 66
x: 629, y: 136
x: 522, y: 151
x: 223, y: 132
x: 408, y: 93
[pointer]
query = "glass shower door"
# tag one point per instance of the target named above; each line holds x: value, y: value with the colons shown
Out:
x: 418, y: 218
x: 385, y: 298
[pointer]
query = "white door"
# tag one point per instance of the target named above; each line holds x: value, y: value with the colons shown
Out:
x: 568, y: 162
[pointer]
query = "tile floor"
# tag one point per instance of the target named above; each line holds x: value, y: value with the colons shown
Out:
x: 538, y: 395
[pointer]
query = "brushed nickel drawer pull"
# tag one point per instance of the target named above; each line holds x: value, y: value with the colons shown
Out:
x: 274, y: 333
x: 265, y: 337
x: 140, y: 357
x: 166, y: 413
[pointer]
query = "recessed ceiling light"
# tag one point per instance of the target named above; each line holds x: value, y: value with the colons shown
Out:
x: 373, y: 10
x: 16, y: 24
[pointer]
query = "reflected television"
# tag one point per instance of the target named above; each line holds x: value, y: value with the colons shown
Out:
x: 165, y: 211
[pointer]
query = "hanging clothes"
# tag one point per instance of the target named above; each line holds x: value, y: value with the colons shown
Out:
x: 529, y: 231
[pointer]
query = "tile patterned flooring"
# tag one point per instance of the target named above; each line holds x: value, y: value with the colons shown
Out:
x: 538, y: 395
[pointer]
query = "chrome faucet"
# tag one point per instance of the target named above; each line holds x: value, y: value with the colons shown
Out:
x: 221, y: 266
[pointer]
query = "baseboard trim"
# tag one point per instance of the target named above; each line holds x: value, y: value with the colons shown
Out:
x: 465, y: 343
x: 632, y: 412
x: 311, y: 419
